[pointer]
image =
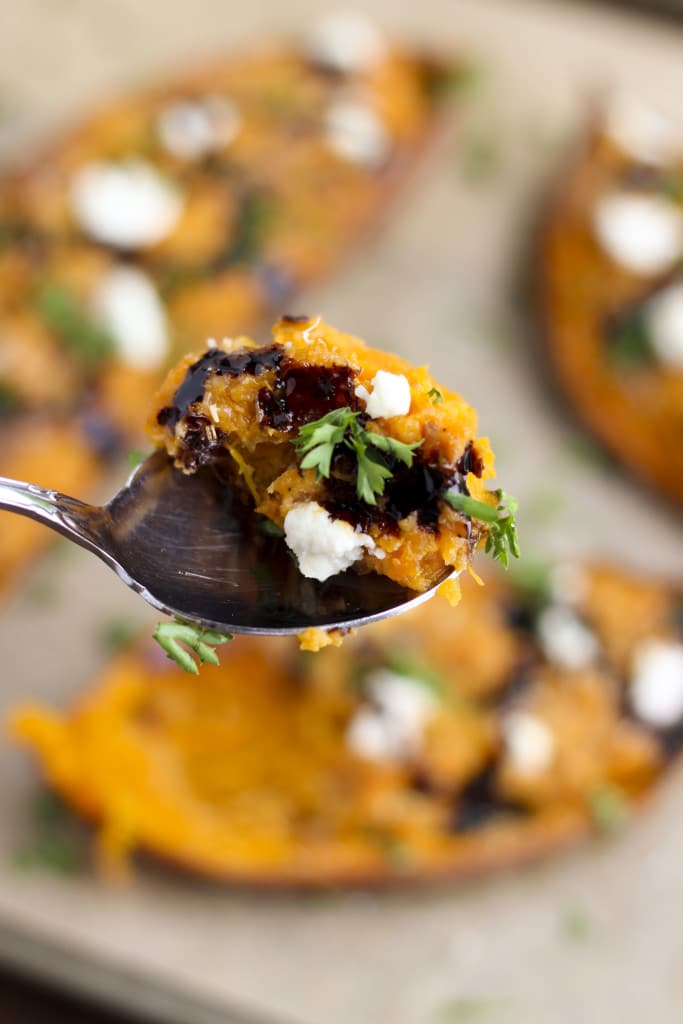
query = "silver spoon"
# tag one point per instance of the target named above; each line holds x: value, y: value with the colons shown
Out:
x: 192, y: 549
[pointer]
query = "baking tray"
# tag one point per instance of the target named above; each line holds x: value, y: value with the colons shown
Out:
x: 440, y: 281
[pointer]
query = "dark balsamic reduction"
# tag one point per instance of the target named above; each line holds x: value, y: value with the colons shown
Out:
x: 302, y: 394
x: 252, y: 361
x: 288, y: 318
x: 470, y: 461
x: 478, y: 803
x: 202, y: 443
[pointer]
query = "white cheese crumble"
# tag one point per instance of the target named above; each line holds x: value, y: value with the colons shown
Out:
x: 346, y: 41
x: 323, y: 545
x: 129, y: 308
x: 127, y: 205
x: 190, y: 129
x: 641, y: 131
x: 528, y: 741
x: 391, y: 729
x: 565, y: 640
x: 664, y: 319
x: 642, y: 233
x: 390, y: 395
x: 657, y: 683
x: 356, y: 132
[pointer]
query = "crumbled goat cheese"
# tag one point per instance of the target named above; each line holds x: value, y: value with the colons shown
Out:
x: 356, y: 132
x: 129, y: 308
x: 127, y: 205
x: 642, y: 233
x: 390, y: 395
x: 565, y: 639
x: 528, y: 741
x: 642, y: 132
x: 656, y: 688
x: 190, y: 129
x: 323, y: 545
x: 393, y: 727
x: 346, y: 41
x: 664, y: 318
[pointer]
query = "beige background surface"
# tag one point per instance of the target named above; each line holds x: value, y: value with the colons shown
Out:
x: 437, y: 286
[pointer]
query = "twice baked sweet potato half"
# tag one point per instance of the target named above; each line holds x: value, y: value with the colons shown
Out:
x: 442, y: 743
x: 610, y: 289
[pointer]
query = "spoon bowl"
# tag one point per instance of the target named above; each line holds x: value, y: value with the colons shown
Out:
x: 192, y: 549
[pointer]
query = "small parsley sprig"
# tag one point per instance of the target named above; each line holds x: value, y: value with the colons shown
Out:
x: 318, y: 440
x: 63, y: 314
x: 171, y: 636
x: 502, y: 536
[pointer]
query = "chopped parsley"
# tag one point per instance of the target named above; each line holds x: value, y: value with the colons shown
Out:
x: 317, y: 442
x: 172, y: 635
x: 270, y: 529
x: 412, y: 667
x: 63, y: 314
x: 672, y: 186
x: 435, y: 396
x: 136, y: 458
x: 629, y: 343
x: 56, y: 842
x: 502, y: 540
x: 9, y: 400
x: 117, y: 634
x: 577, y: 924
x: 609, y: 809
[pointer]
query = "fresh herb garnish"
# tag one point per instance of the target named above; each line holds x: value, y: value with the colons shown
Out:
x: 56, y: 843
x: 118, y: 634
x: 467, y: 1011
x: 136, y: 458
x: 435, y: 396
x: 609, y: 809
x: 269, y: 528
x: 481, y: 158
x: 406, y: 664
x: 172, y: 635
x: 318, y: 440
x: 672, y: 186
x: 502, y: 536
x: 577, y: 924
x: 629, y: 343
x: 67, y: 318
x: 9, y: 400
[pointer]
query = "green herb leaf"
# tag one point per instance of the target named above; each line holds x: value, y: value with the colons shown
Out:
x: 172, y: 635
x: 435, y: 396
x: 398, y: 449
x: 501, y: 541
x: 405, y: 664
x: 118, y: 634
x: 269, y: 528
x: 9, y: 401
x: 629, y: 343
x: 317, y: 441
x: 608, y: 808
x: 577, y: 924
x: 66, y: 317
x: 56, y: 843
x: 136, y: 458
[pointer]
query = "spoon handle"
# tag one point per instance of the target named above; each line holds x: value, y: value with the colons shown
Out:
x: 74, y: 519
